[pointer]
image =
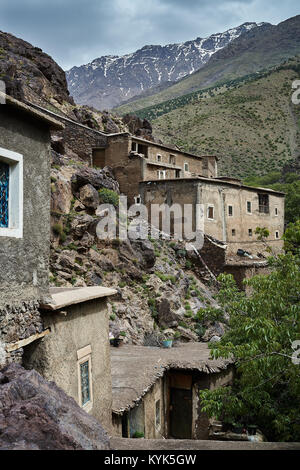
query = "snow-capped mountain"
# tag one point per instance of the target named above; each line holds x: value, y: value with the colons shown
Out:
x: 109, y: 80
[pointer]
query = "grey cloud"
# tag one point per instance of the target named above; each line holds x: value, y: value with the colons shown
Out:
x: 74, y: 32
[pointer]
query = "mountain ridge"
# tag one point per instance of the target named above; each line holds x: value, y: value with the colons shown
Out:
x: 253, y: 51
x: 109, y: 80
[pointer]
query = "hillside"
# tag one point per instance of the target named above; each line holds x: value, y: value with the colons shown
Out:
x: 109, y: 80
x: 253, y: 51
x: 251, y: 124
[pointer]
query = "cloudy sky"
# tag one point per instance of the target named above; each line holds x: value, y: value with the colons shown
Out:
x: 74, y: 32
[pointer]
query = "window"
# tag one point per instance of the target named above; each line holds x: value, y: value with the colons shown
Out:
x: 159, y: 158
x: 263, y: 203
x: 210, y: 212
x: 134, y: 147
x: 172, y: 160
x: 186, y: 167
x: 11, y: 194
x: 137, y: 199
x: 276, y: 211
x: 177, y: 173
x: 85, y: 391
x: 250, y: 232
x: 157, y: 413
x: 233, y: 232
x: 249, y: 207
x: 277, y: 234
x: 230, y: 211
x: 161, y: 174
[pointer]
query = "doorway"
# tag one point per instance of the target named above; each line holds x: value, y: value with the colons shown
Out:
x: 99, y: 157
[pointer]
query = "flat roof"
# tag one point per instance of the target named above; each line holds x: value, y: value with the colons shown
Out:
x: 136, y: 368
x: 64, y: 297
x: 216, y: 181
x: 52, y: 123
x: 156, y: 144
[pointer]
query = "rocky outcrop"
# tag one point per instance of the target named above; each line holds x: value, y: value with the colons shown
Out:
x: 30, y: 73
x: 38, y: 415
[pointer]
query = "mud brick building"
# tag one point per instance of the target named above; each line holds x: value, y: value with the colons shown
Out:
x: 232, y: 211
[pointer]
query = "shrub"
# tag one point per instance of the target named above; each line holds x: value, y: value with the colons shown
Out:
x: 107, y: 196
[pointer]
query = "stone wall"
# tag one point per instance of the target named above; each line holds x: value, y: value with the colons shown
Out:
x: 79, y: 138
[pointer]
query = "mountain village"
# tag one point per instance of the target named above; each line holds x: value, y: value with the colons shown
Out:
x: 110, y: 328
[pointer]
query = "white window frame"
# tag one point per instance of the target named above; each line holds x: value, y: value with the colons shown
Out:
x: 15, y: 199
x: 249, y: 202
x: 85, y: 355
x: 158, y: 425
x: 186, y: 165
x: 210, y: 206
x: 277, y: 232
x: 138, y: 199
x: 163, y: 172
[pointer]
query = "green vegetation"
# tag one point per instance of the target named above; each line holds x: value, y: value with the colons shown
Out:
x: 263, y: 328
x: 107, y: 196
x: 248, y: 122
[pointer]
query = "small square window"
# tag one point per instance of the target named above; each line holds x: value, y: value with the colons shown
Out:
x: 230, y: 211
x: 210, y: 212
x: 249, y: 207
x: 157, y: 413
x: 172, y: 160
x: 233, y: 232
x: 250, y: 232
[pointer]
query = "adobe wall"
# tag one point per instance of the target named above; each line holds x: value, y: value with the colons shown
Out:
x: 55, y: 357
x: 24, y: 261
x: 219, y: 197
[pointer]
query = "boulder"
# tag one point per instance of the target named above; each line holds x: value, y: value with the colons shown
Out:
x: 166, y: 317
x: 89, y: 196
x: 144, y: 250
x: 97, y: 178
x: 37, y: 415
x: 81, y: 224
x: 187, y: 335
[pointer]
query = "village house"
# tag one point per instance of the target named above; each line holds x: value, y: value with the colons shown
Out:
x: 156, y: 391
x: 232, y: 211
x: 24, y: 222
x: 76, y: 353
x: 63, y: 334
x: 134, y: 159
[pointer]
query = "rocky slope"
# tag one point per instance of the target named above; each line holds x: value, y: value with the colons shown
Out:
x: 107, y: 81
x: 160, y: 286
x: 253, y: 51
x: 38, y: 415
x: 32, y: 75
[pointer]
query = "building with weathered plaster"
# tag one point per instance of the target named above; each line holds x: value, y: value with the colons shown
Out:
x: 134, y: 159
x: 76, y: 352
x: 156, y: 391
x: 62, y: 333
x: 24, y: 219
x: 231, y: 211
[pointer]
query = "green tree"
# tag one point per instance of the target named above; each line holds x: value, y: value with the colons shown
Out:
x: 291, y: 238
x: 263, y: 327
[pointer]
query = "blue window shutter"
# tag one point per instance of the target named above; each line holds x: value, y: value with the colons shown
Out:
x: 4, y: 195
